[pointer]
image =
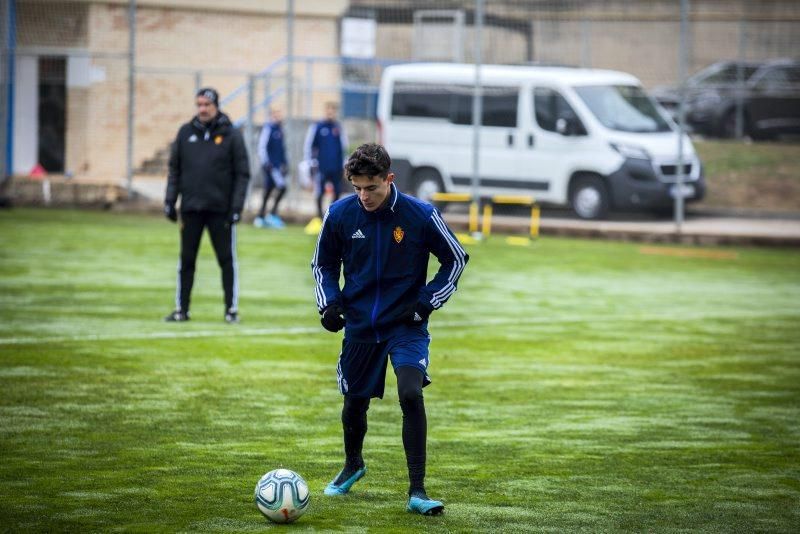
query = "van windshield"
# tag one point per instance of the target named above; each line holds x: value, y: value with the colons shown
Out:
x: 626, y: 108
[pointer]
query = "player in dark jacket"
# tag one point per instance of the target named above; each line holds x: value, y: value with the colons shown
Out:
x: 324, y: 148
x: 209, y: 171
x: 272, y: 153
x: 383, y: 240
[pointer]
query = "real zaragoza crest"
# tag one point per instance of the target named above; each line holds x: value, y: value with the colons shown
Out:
x: 398, y: 234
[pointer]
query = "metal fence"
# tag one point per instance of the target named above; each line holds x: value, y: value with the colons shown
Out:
x: 67, y: 66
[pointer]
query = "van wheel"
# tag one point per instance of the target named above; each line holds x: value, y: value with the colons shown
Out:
x: 425, y: 183
x: 589, y: 197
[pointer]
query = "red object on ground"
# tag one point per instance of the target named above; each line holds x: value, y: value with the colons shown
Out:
x: 37, y: 171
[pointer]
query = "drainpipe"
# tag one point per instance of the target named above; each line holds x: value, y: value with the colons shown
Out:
x: 11, y: 51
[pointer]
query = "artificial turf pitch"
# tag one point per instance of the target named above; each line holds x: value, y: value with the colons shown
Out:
x: 577, y: 385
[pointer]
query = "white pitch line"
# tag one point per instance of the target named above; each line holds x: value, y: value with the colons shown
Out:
x: 284, y: 331
x: 161, y: 335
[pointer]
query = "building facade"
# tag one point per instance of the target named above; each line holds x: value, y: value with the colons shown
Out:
x: 72, y: 70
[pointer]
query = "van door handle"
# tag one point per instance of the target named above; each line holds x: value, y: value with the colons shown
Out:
x: 510, y: 139
x: 530, y: 140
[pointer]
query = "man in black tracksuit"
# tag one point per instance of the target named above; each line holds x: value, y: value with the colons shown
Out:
x: 209, y: 170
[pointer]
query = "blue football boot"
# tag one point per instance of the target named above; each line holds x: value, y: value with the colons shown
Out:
x: 276, y: 222
x: 344, y: 487
x: 419, y: 503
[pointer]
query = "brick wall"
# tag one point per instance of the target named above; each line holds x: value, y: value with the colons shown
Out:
x: 175, y: 39
x: 225, y: 46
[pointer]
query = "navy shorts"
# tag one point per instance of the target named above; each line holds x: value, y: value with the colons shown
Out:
x: 334, y: 178
x: 361, y: 371
x: 275, y: 178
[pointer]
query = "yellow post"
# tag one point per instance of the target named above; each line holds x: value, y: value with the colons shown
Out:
x: 473, y: 217
x: 487, y: 219
x: 535, y: 221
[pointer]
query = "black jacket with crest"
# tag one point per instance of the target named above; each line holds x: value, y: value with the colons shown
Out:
x: 208, y: 167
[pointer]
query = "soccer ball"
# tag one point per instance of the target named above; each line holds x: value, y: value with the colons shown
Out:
x: 282, y: 496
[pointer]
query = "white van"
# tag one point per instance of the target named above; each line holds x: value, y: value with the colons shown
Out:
x: 590, y: 139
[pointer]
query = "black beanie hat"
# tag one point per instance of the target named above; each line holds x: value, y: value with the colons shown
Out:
x: 209, y: 93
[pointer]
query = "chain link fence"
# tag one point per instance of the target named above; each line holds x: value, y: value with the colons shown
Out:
x: 641, y: 38
x: 66, y: 68
x: 66, y: 65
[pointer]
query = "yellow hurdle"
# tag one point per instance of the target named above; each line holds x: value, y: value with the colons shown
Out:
x: 451, y: 197
x: 473, y: 217
x: 535, y: 214
x: 487, y: 219
x: 461, y: 197
x: 519, y: 200
x: 488, y: 208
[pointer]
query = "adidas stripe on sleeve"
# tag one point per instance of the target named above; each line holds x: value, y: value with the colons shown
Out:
x: 326, y: 266
x: 452, y: 258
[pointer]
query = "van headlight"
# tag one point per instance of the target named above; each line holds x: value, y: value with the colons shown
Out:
x: 630, y: 151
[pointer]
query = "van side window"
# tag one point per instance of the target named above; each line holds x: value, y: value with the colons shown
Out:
x: 499, y: 106
x: 549, y: 106
x: 454, y: 103
x: 421, y: 100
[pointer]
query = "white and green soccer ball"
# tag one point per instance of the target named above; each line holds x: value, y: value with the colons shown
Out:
x: 282, y: 496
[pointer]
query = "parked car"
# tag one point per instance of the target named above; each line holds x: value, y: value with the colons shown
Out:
x: 589, y: 139
x: 769, y: 93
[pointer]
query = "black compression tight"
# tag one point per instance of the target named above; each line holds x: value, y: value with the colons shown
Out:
x: 354, y: 424
x: 267, y: 191
x: 415, y: 424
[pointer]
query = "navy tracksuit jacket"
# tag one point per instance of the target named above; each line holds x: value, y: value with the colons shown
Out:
x: 327, y: 142
x: 271, y: 149
x: 385, y: 256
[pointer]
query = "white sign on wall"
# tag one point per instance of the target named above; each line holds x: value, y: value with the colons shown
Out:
x: 358, y: 37
x: 81, y: 72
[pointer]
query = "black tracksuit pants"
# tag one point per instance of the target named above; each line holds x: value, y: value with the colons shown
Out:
x: 223, y: 238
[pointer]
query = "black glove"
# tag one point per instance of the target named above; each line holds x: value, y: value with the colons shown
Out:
x: 170, y: 212
x: 333, y: 318
x: 284, y: 168
x: 234, y: 217
x: 416, y: 314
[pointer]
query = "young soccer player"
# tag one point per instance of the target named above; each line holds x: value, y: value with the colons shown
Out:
x: 272, y: 154
x: 325, y: 148
x: 383, y: 239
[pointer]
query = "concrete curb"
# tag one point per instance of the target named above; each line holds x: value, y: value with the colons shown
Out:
x: 695, y: 231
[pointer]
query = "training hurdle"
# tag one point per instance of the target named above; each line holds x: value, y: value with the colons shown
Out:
x: 473, y: 212
x: 513, y: 200
x: 488, y: 208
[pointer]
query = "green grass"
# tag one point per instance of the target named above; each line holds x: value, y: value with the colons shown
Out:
x: 761, y: 176
x: 766, y: 158
x: 578, y: 386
